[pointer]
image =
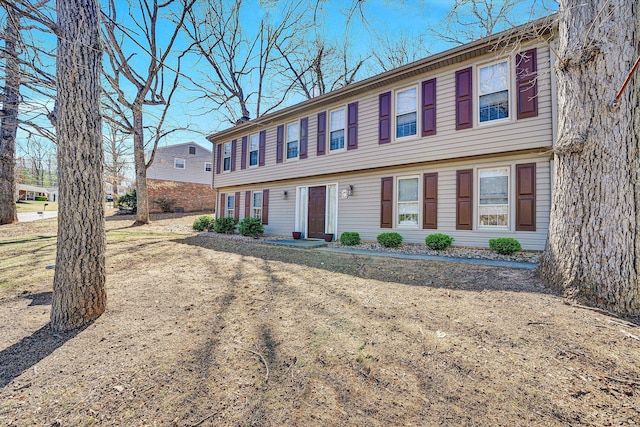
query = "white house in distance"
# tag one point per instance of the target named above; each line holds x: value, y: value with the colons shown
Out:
x: 457, y: 143
x: 182, y: 173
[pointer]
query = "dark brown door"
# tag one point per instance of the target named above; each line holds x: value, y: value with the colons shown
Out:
x: 317, y: 201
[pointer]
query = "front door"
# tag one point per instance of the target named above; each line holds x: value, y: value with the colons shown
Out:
x: 317, y: 202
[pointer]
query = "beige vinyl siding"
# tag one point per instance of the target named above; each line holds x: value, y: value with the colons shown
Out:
x: 361, y: 211
x: 163, y: 164
x: 487, y: 138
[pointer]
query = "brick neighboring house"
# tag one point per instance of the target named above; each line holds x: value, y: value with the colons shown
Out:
x: 460, y: 142
x: 182, y: 173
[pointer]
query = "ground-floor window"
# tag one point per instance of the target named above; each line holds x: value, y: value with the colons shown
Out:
x: 256, y: 207
x: 407, y: 202
x: 493, y: 200
x: 231, y: 203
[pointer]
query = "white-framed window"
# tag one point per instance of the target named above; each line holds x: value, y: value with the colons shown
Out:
x: 256, y: 205
x: 336, y: 127
x: 407, y: 202
x: 493, y: 91
x: 231, y: 204
x: 208, y: 167
x: 493, y: 197
x: 406, y: 112
x: 293, y: 140
x: 179, y: 163
x: 254, y: 145
x: 192, y: 150
x: 226, y: 157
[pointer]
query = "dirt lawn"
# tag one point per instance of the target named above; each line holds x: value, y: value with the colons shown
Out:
x: 205, y: 331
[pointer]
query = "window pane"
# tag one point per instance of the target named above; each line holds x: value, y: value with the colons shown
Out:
x: 292, y: 150
x: 253, y: 144
x: 337, y: 139
x: 227, y: 163
x: 408, y: 190
x: 406, y: 101
x: 494, y: 187
x: 494, y: 215
x: 227, y: 150
x: 494, y: 106
x: 179, y: 163
x: 292, y: 132
x: 253, y: 158
x: 337, y: 119
x: 408, y: 213
x: 493, y: 78
x: 406, y: 125
x: 257, y: 199
x: 230, y: 202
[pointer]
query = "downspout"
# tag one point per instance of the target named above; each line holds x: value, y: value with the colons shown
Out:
x: 213, y: 176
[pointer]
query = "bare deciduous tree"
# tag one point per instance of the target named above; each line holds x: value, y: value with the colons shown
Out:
x: 78, y: 286
x: 117, y: 150
x: 239, y: 80
x: 140, y: 71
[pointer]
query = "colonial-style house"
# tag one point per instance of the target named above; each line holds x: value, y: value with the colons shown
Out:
x: 181, y: 174
x: 456, y: 143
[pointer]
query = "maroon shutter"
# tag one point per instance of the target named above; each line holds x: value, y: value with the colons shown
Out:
x: 218, y: 158
x: 279, y: 143
x: 384, y: 118
x: 322, y: 133
x: 236, y: 207
x: 386, y: 203
x: 464, y: 102
x: 464, y: 199
x: 263, y: 146
x: 352, y: 126
x: 234, y: 147
x: 430, y: 213
x: 526, y: 197
x: 526, y: 75
x: 304, y: 126
x: 429, y: 107
x: 243, y: 160
x: 265, y: 207
x: 223, y: 202
x: 247, y: 204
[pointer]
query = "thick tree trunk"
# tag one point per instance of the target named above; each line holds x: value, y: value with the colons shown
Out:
x: 78, y: 286
x: 142, y: 194
x: 593, y: 249
x: 9, y: 124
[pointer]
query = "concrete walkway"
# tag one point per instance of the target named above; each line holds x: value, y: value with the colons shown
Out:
x: 34, y: 216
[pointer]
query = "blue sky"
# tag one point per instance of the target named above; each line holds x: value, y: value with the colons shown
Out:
x: 380, y: 19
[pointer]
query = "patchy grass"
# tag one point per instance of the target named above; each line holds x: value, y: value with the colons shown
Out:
x: 216, y: 332
x: 33, y: 206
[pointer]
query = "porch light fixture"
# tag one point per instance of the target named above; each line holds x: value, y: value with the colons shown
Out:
x: 350, y: 190
x: 285, y: 194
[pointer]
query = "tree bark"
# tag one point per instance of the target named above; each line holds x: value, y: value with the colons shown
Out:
x: 593, y: 248
x: 142, y: 194
x: 78, y: 286
x: 9, y: 123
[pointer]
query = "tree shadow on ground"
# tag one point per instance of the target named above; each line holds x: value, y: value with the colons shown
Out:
x: 435, y: 274
x: 19, y: 357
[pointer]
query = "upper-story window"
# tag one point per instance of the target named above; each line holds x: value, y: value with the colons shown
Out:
x: 406, y: 112
x: 493, y: 200
x: 226, y: 157
x: 493, y: 91
x: 337, y: 129
x: 408, y: 201
x: 254, y: 143
x: 256, y: 206
x: 293, y: 140
x: 178, y: 163
x: 208, y: 167
x: 192, y: 150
